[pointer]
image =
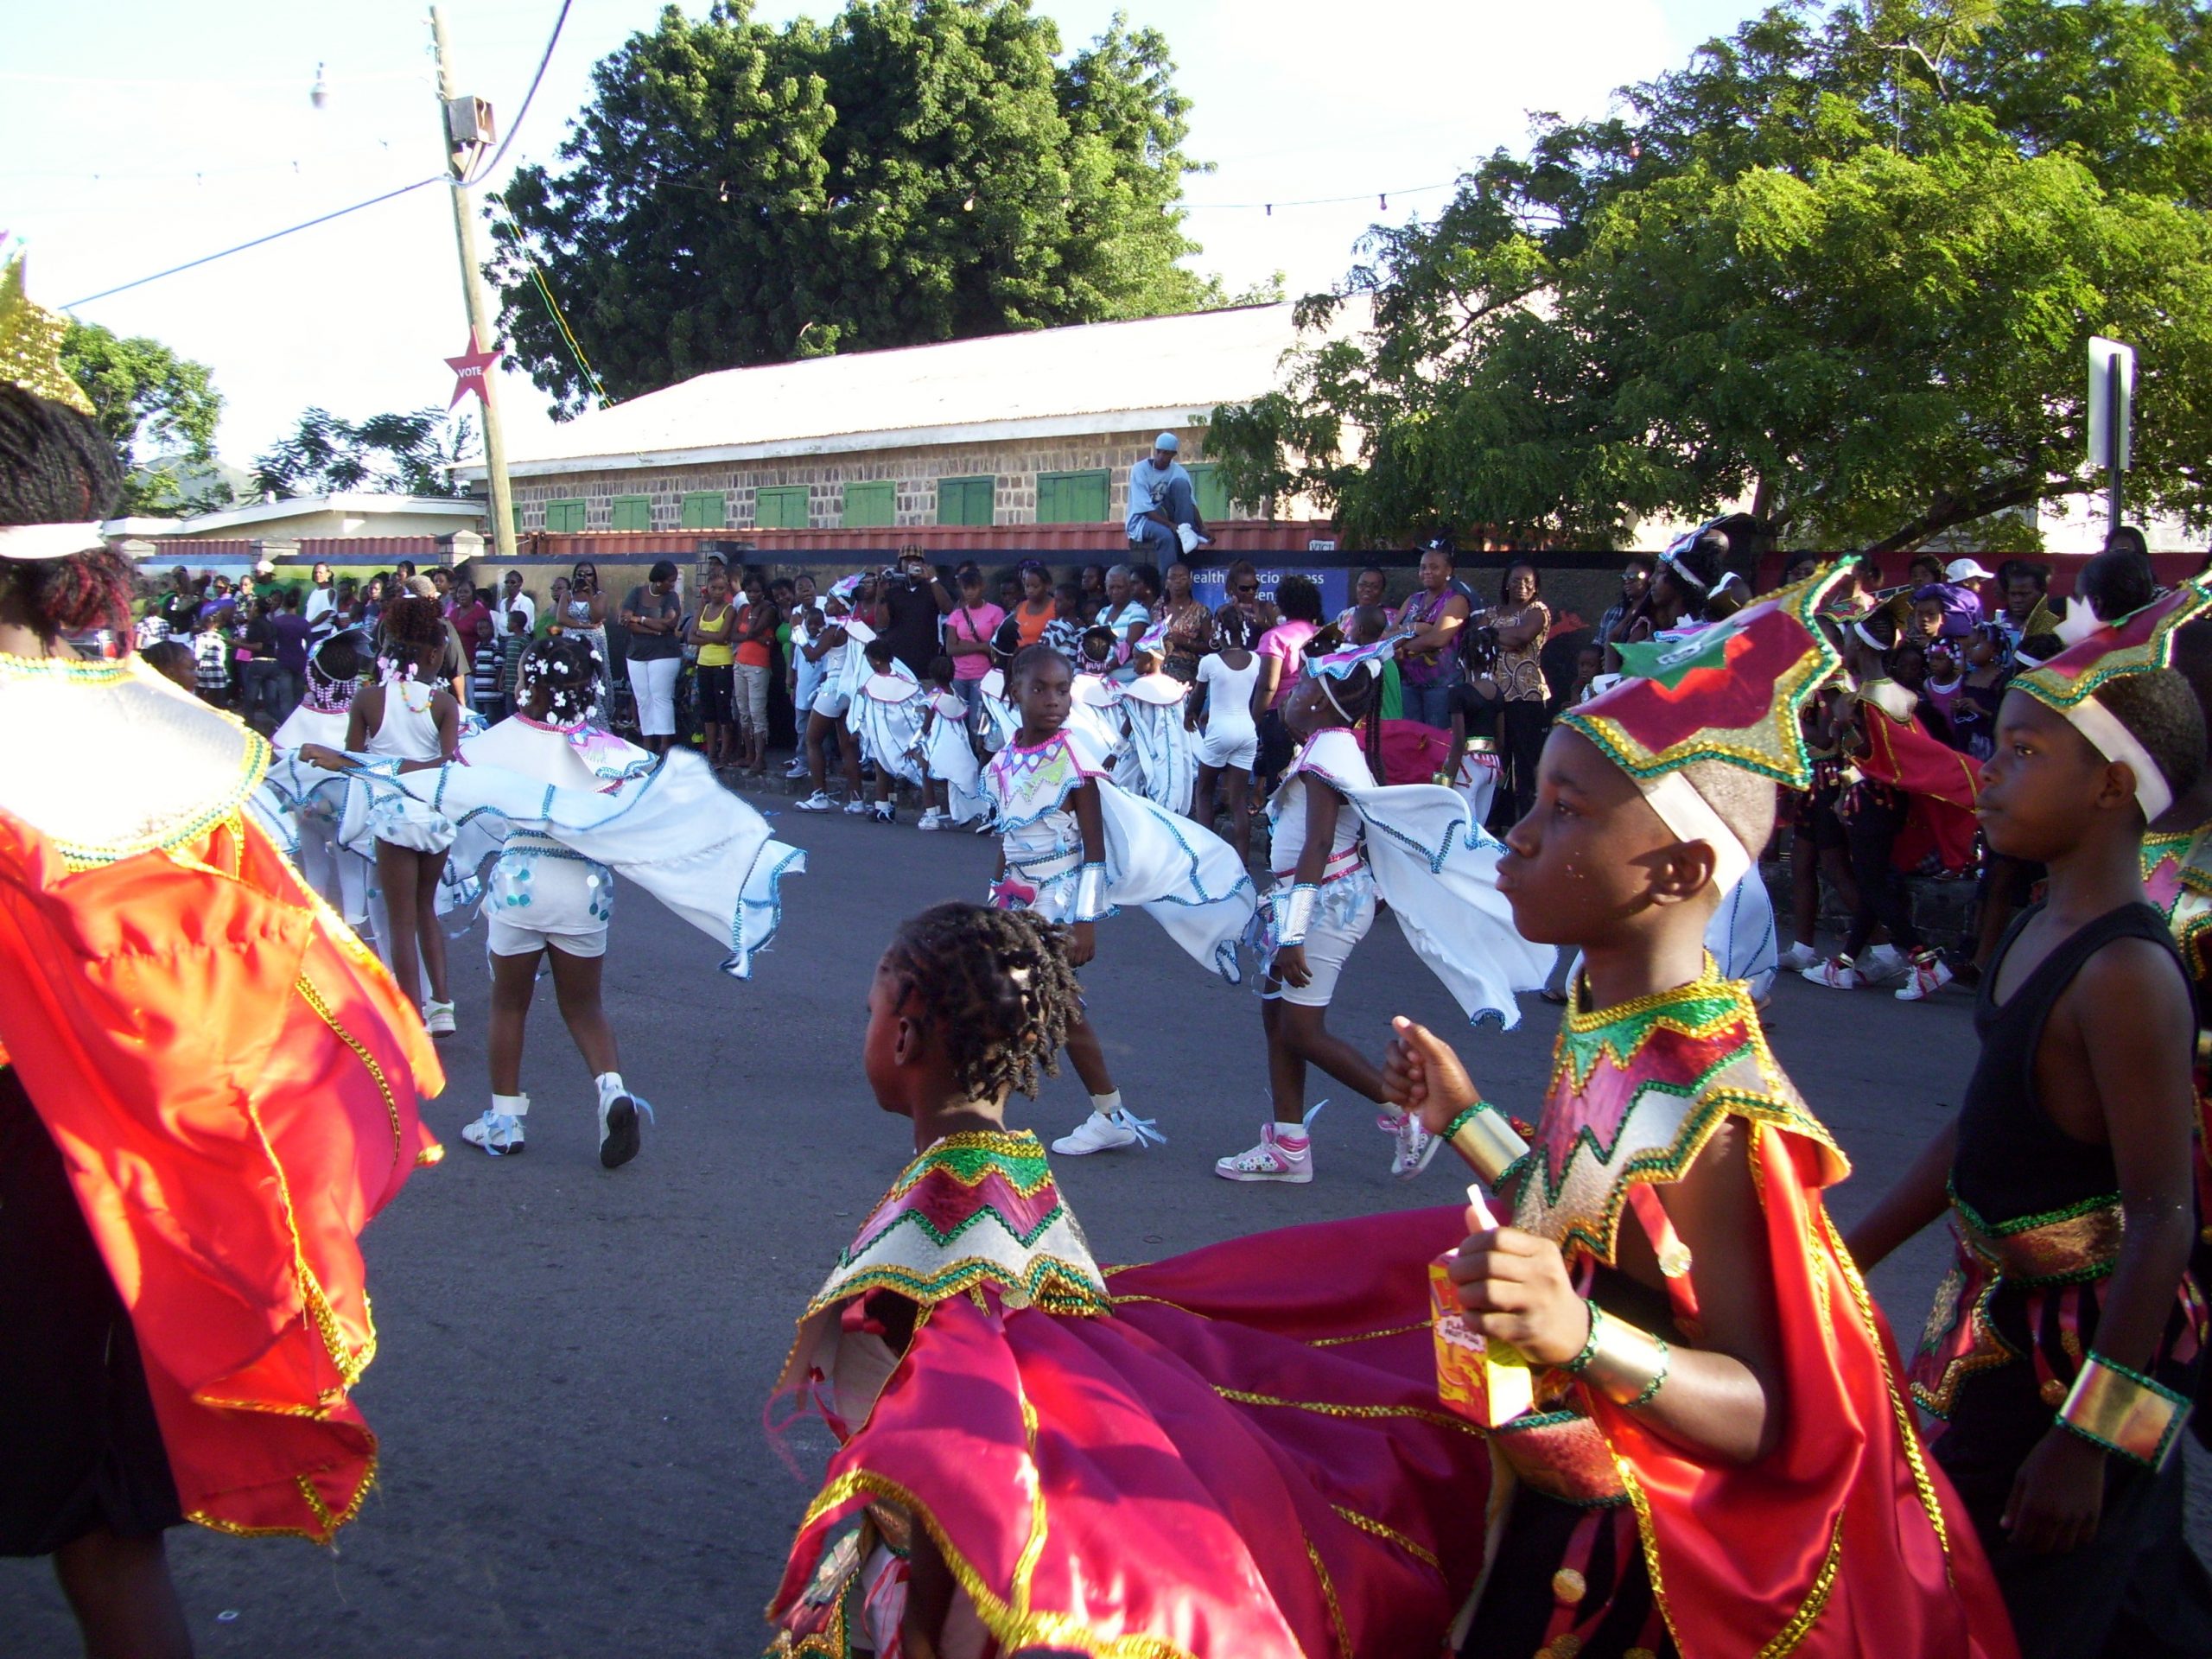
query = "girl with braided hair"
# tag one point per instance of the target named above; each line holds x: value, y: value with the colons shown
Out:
x: 206, y: 1087
x: 1030, y: 1461
x: 411, y: 718
x: 1076, y: 847
x: 1340, y: 841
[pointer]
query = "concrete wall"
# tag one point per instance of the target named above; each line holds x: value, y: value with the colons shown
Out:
x: 914, y: 471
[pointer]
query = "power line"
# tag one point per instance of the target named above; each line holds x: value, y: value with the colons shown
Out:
x: 515, y: 126
x: 1381, y: 198
x: 257, y: 241
x: 521, y: 245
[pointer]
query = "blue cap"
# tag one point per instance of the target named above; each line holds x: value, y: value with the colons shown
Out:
x: 1168, y: 441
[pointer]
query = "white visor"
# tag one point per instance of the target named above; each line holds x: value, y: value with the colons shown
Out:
x: 28, y: 541
x: 2115, y: 742
x: 1687, y: 814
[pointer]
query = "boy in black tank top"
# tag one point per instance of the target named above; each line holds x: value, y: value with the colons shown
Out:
x: 2065, y: 1347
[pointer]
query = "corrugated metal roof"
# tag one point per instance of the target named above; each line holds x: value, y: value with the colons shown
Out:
x: 1097, y: 377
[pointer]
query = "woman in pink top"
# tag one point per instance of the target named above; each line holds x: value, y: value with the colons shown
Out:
x: 968, y: 632
x: 1281, y: 651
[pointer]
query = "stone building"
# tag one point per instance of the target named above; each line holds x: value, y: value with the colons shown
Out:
x: 1037, y: 428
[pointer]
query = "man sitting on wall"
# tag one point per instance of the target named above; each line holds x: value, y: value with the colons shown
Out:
x: 1164, y: 517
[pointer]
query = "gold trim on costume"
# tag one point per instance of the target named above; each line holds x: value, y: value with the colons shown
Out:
x: 1368, y: 1524
x: 1329, y: 1595
x: 1332, y: 1408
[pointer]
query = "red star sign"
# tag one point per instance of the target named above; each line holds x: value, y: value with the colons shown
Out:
x: 469, y: 370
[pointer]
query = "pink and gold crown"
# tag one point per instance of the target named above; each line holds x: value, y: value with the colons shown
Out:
x: 1730, y: 692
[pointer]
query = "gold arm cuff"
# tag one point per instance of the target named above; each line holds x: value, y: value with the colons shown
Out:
x: 2124, y: 1412
x: 1625, y: 1363
x: 1482, y: 1136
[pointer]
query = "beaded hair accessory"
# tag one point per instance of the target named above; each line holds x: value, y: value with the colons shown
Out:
x: 1728, y: 692
x: 566, y: 703
x: 2136, y: 644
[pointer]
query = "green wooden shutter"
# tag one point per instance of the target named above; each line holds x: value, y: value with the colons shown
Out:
x: 631, y: 512
x: 965, y: 500
x: 1207, y: 490
x: 705, y: 510
x: 779, y: 506
x: 516, y: 508
x: 564, y: 518
x: 1072, y: 498
x: 871, y: 505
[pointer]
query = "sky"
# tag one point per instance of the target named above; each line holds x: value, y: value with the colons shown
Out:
x: 172, y: 131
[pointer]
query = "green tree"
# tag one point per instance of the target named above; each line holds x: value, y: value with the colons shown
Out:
x: 158, y: 408
x: 1846, y: 264
x: 915, y: 170
x: 398, y: 454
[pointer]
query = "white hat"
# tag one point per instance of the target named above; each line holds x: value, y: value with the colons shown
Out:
x: 1967, y: 570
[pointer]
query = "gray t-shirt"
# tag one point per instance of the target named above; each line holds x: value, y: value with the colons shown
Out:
x: 654, y: 647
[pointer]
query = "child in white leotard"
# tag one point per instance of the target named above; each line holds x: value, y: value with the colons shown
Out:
x: 1221, y: 713
x: 412, y: 719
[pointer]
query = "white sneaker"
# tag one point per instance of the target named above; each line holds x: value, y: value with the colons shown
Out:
x: 1882, y: 962
x: 1415, y: 1147
x: 438, y: 1019
x: 818, y: 802
x: 796, y: 769
x: 1269, y: 1161
x: 985, y: 826
x: 1928, y: 974
x: 856, y: 809
x: 931, y: 819
x: 1798, y: 958
x: 618, y: 1130
x: 1097, y: 1133
x: 886, y: 813
x: 498, y: 1132
x: 1836, y: 975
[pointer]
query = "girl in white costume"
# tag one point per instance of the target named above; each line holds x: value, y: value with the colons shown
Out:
x: 1340, y: 842
x: 553, y: 808
x: 1097, y: 709
x: 1229, y: 740
x: 832, y: 653
x: 884, y: 713
x: 409, y: 717
x: 1074, y: 846
x: 948, y: 753
x: 1159, y: 751
x: 336, y: 669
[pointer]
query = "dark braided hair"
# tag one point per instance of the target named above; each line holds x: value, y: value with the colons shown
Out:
x: 57, y: 468
x: 567, y: 668
x: 997, y: 986
x: 1027, y: 658
x: 414, y: 634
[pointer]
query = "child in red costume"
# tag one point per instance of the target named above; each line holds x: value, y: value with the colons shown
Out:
x: 207, y: 1085
x: 1720, y: 1459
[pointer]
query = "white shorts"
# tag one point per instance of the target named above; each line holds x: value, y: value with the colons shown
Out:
x: 540, y: 895
x: 1236, y: 749
x: 506, y: 939
x: 1327, y: 945
x: 653, y: 684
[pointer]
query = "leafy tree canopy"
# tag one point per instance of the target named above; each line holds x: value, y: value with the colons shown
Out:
x: 398, y: 454
x: 1846, y: 263
x: 158, y: 408
x: 915, y: 170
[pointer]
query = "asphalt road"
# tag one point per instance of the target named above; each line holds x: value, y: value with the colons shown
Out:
x: 572, y: 1364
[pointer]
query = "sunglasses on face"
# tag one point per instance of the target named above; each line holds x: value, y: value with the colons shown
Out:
x: 1248, y: 587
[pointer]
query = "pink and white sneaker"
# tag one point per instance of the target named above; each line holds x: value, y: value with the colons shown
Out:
x: 1269, y: 1161
x: 1925, y: 974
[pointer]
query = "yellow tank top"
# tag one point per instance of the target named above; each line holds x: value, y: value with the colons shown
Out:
x: 719, y: 656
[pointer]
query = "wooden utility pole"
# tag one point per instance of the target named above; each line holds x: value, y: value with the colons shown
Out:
x: 460, y: 151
